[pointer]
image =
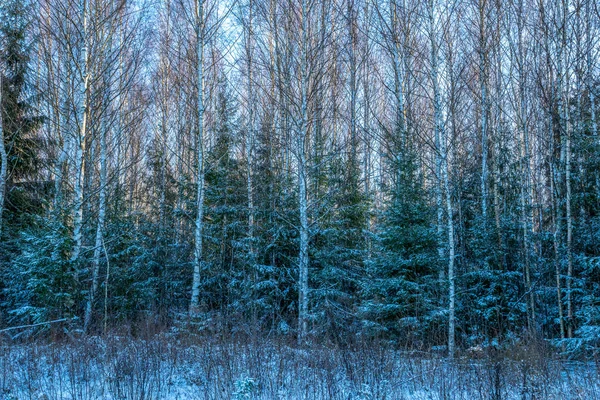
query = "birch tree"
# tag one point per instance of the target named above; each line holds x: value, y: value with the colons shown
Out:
x: 118, y: 57
x: 250, y: 129
x: 199, y: 30
x: 205, y: 20
x: 83, y: 113
x: 301, y: 159
x: 442, y: 155
x: 483, y: 39
x: 3, y: 154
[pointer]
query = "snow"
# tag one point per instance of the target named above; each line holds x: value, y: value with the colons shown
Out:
x: 173, y: 368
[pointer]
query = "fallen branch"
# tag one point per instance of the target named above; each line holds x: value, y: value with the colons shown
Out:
x: 34, y: 325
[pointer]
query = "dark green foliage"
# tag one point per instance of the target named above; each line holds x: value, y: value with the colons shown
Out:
x: 378, y: 266
x: 32, y: 264
x: 493, y: 306
x: 41, y: 283
x: 18, y: 118
x: 402, y: 288
x: 274, y: 296
x: 339, y: 247
x: 587, y: 244
x: 225, y: 272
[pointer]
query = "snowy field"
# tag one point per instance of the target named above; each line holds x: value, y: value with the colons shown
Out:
x: 170, y: 368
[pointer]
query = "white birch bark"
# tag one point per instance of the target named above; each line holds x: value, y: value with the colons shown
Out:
x: 525, y: 187
x: 569, y: 226
x: 556, y: 244
x: 439, y: 190
x: 398, y: 83
x: 303, y: 259
x: 565, y: 117
x: 353, y: 81
x: 250, y: 135
x: 499, y: 123
x: 3, y: 156
x: 98, y: 245
x: 61, y: 122
x: 442, y: 161
x: 483, y: 88
x: 554, y: 175
x: 366, y: 81
x: 81, y: 138
x: 58, y: 173
x: 590, y: 61
x: 199, y: 223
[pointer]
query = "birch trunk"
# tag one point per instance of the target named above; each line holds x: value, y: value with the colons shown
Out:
x: 553, y: 172
x: 58, y: 174
x: 353, y: 83
x: 442, y: 161
x: 98, y: 245
x: 80, y: 150
x: 195, y: 300
x: 525, y: 174
x: 398, y: 86
x: 565, y: 117
x: 165, y: 87
x: 439, y: 194
x: 590, y: 81
x: 451, y: 257
x: 499, y: 128
x: 59, y: 168
x: 303, y: 259
x: 556, y: 243
x: 483, y: 73
x: 3, y: 155
x: 250, y: 136
x: 367, y: 125
x: 569, y: 230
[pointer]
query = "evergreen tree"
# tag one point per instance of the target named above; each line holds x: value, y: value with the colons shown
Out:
x: 587, y: 245
x: 401, y: 292
x: 23, y: 234
x: 339, y: 246
x: 274, y: 292
x: 39, y: 283
x: 19, y: 122
x: 493, y: 308
x: 226, y: 275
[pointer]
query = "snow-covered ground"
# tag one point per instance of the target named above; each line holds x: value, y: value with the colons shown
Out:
x: 170, y: 368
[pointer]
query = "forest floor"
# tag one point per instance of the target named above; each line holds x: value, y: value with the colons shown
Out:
x: 168, y: 366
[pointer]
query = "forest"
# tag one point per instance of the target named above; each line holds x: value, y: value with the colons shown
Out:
x: 418, y: 176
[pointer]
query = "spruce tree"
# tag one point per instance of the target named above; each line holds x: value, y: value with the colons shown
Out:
x: 28, y: 243
x: 401, y: 293
x: 19, y: 121
x: 339, y: 246
x: 227, y: 280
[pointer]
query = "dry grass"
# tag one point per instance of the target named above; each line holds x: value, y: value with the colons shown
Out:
x: 176, y: 366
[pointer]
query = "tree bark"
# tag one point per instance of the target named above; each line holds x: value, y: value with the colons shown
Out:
x: 82, y: 139
x: 442, y: 155
x: 3, y: 155
x: 303, y: 258
x: 250, y: 136
x: 98, y: 245
x: 199, y: 223
x: 483, y: 88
